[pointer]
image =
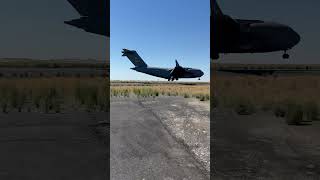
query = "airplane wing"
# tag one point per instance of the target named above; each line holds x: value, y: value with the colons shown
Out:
x: 82, y: 6
x: 244, y: 21
x: 91, y: 7
x: 95, y: 16
x: 178, y: 71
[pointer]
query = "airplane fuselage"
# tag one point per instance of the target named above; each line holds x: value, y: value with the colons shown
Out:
x: 230, y: 35
x: 253, y: 36
x: 166, y: 72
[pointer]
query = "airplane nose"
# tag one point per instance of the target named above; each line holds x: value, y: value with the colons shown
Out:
x: 201, y: 73
x: 296, y: 37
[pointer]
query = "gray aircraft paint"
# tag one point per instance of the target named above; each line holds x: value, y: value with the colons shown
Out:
x: 166, y: 73
x: 134, y: 57
x: 249, y: 36
x: 154, y: 71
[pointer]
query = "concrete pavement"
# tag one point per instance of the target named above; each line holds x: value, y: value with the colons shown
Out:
x: 142, y: 148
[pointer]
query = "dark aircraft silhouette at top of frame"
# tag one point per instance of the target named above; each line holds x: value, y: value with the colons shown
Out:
x: 166, y: 73
x: 95, y: 16
x: 248, y: 36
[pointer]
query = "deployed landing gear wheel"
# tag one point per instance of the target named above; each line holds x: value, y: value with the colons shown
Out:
x: 285, y: 55
x: 199, y: 79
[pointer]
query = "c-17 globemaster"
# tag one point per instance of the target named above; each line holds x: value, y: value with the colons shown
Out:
x: 230, y: 35
x: 167, y: 73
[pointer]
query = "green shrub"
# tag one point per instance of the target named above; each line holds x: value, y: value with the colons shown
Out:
x: 186, y: 95
x: 280, y: 110
x: 294, y: 115
x: 311, y: 110
x: 244, y: 107
x: 214, y: 102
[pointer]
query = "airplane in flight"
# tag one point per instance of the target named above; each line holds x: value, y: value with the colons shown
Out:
x: 95, y: 16
x: 167, y: 73
x: 229, y: 35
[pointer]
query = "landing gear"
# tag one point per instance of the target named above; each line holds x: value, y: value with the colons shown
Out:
x: 173, y: 78
x: 199, y: 79
x: 285, y: 55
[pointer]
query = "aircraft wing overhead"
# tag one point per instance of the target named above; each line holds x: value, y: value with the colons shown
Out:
x: 244, y: 21
x: 82, y: 6
x: 91, y: 7
x: 177, y: 71
x: 95, y: 16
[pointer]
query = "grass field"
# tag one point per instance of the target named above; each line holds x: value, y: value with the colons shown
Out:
x: 53, y: 95
x: 53, y: 63
x: 200, y: 91
x: 295, y: 97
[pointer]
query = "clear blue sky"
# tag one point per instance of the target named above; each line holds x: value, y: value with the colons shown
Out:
x: 302, y: 16
x: 160, y: 31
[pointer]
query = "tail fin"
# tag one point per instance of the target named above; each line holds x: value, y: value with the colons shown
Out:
x: 215, y: 9
x: 134, y: 57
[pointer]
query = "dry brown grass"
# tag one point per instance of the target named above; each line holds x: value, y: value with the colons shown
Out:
x: 54, y: 94
x: 268, y: 90
x: 200, y: 91
x: 267, y: 93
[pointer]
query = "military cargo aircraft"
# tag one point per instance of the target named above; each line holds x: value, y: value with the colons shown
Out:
x: 230, y: 35
x: 95, y: 16
x: 167, y: 73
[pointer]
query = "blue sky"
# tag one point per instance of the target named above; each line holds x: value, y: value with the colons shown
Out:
x: 160, y: 31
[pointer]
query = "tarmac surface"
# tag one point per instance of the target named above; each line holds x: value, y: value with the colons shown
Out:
x: 36, y: 146
x: 142, y: 147
x: 262, y: 146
